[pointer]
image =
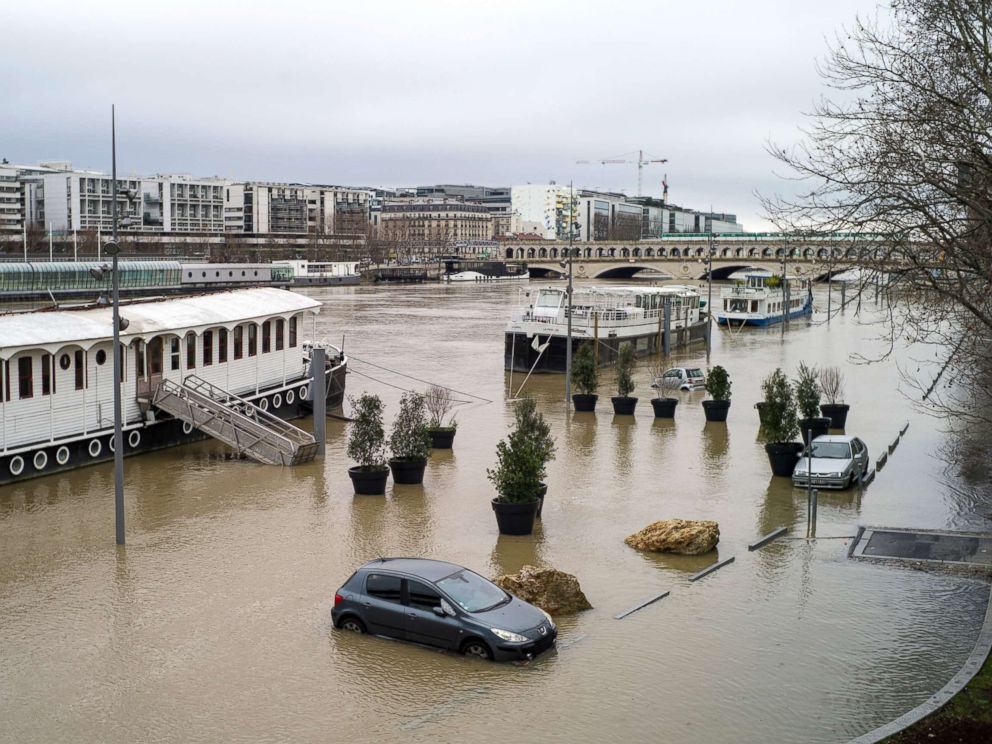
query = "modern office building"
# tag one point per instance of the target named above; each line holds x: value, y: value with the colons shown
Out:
x: 298, y: 208
x: 11, y: 202
x: 546, y: 210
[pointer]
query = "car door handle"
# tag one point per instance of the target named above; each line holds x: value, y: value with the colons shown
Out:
x: 412, y: 615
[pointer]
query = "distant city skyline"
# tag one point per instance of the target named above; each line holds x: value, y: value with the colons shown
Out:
x: 395, y: 94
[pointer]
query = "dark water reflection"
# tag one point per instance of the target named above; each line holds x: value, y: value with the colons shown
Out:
x: 212, y: 624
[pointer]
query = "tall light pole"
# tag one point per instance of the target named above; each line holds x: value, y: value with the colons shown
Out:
x: 113, y: 248
x: 568, y: 341
x: 709, y: 300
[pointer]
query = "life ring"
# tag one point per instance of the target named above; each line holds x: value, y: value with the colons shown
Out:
x: 110, y: 443
x: 134, y: 439
x: 305, y: 392
x: 95, y: 448
x: 187, y: 428
x: 16, y: 465
x: 40, y: 460
x: 276, y: 400
x: 290, y: 397
x: 264, y: 404
x: 62, y: 455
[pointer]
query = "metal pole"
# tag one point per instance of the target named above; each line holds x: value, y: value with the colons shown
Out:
x: 49, y: 242
x: 830, y: 276
x: 25, y: 237
x: 319, y: 397
x: 809, y: 482
x: 785, y: 288
x: 115, y: 301
x: 568, y: 341
x: 75, y: 247
x: 668, y: 327
x: 709, y: 301
x: 816, y: 495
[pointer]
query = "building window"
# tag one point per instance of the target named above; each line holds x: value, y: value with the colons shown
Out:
x: 292, y: 333
x: 174, y: 353
x: 267, y: 337
x: 280, y: 334
x: 190, y: 351
x: 79, y: 367
x: 46, y: 375
x: 25, y: 379
x: 239, y: 350
x: 252, y: 339
x: 221, y: 345
x: 208, y: 348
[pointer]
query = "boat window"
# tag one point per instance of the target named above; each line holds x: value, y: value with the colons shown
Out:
x: 252, y: 339
x: 267, y: 337
x: 221, y: 345
x: 208, y: 348
x: 239, y: 332
x: 292, y: 333
x: 122, y: 358
x: 79, y: 363
x: 64, y: 362
x: 5, y: 393
x: 46, y: 374
x: 548, y: 299
x: 139, y: 360
x: 754, y: 306
x: 190, y: 350
x: 25, y: 379
x: 280, y: 334
x: 101, y: 357
x: 174, y: 353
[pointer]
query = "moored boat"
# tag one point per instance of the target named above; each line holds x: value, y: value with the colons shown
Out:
x: 764, y: 299
x: 56, y: 372
x: 603, y: 316
x: 454, y: 269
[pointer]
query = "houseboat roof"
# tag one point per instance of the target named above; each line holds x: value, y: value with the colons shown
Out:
x: 52, y: 329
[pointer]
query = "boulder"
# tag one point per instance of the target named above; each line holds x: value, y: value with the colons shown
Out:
x: 687, y: 536
x: 553, y: 591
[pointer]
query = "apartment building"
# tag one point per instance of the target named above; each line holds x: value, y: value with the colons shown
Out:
x: 434, y: 221
x: 297, y: 208
x: 11, y: 202
x: 546, y: 210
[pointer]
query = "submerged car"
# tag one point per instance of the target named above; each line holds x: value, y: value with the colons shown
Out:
x: 832, y: 461
x: 441, y: 604
x: 680, y: 378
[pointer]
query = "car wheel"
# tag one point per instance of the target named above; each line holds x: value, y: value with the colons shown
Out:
x: 477, y: 648
x: 352, y: 624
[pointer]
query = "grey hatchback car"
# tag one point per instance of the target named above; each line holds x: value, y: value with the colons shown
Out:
x: 441, y: 604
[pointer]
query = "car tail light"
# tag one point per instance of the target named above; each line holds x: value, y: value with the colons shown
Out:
x: 338, y: 599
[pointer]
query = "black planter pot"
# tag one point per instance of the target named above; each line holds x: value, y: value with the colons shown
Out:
x: 664, y: 407
x: 783, y: 456
x: 624, y: 405
x: 818, y: 426
x: 442, y: 438
x: 515, y: 519
x: 584, y: 403
x: 541, y: 493
x: 760, y: 406
x: 369, y: 482
x: 408, y: 471
x: 837, y: 413
x: 716, y: 410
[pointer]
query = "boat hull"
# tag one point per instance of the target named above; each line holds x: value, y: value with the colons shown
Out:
x: 737, y: 319
x: 475, y: 276
x: 147, y: 436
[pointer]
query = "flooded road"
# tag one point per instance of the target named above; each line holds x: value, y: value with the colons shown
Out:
x: 213, y: 623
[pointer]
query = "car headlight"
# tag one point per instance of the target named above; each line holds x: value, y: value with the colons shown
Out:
x: 550, y: 621
x: 508, y: 636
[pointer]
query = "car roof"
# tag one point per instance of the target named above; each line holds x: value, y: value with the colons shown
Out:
x: 845, y: 438
x: 425, y: 568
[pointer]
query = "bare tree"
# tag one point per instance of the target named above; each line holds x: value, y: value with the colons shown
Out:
x: 902, y: 161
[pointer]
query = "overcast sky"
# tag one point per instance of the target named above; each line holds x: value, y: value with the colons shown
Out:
x: 433, y: 91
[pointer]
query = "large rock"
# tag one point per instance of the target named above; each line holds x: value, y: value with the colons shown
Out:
x: 553, y: 591
x: 687, y: 536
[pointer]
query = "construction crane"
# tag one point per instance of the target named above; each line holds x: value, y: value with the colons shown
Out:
x: 640, y: 163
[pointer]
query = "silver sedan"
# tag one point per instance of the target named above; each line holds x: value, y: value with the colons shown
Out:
x: 832, y: 461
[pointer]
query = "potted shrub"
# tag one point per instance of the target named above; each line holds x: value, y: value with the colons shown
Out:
x: 367, y: 446
x: 812, y: 424
x: 663, y: 407
x: 438, y: 402
x: 409, y: 441
x: 832, y: 385
x: 585, y: 378
x: 781, y: 424
x: 718, y: 387
x: 623, y: 403
x: 521, y: 461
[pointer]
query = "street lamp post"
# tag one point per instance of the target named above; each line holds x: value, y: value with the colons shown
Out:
x: 568, y: 341
x: 709, y: 301
x: 114, y: 248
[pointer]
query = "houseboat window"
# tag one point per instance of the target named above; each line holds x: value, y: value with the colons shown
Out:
x: 190, y: 350
x: 280, y: 333
x: 239, y: 342
x: 545, y: 299
x: 252, y: 339
x: 292, y: 333
x: 139, y: 360
x: 64, y: 362
x: 208, y: 348
x: 25, y: 381
x: 221, y: 345
x: 80, y: 369
x: 101, y: 357
x: 174, y: 353
x: 754, y: 306
x: 267, y: 337
x: 46, y: 374
x: 5, y: 393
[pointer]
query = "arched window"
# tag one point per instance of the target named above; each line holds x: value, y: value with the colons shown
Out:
x: 280, y: 333
x: 221, y: 345
x: 252, y: 339
x: 267, y: 337
x: 239, y: 342
x: 292, y: 332
x: 190, y: 350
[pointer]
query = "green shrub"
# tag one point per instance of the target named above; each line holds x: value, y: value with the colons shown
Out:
x: 780, y: 420
x: 367, y: 438
x: 718, y: 383
x: 522, y: 458
x: 409, y: 439
x: 808, y: 391
x: 585, y: 376
x: 625, y: 370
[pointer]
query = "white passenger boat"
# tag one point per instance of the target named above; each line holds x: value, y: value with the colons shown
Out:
x: 603, y: 316
x: 454, y: 269
x: 764, y: 299
x: 321, y: 273
x: 56, y: 372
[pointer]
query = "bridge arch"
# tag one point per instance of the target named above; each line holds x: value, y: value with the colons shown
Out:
x: 724, y: 272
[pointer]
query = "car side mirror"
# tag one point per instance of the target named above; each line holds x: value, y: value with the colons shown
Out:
x: 439, y: 611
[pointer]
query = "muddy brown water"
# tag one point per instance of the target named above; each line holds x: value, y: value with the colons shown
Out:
x: 213, y: 624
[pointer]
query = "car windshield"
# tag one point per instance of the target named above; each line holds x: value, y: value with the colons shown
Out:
x: 831, y: 450
x: 694, y: 372
x: 471, y: 592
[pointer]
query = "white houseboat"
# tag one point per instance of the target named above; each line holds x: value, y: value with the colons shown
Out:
x: 455, y: 269
x: 603, y: 316
x: 321, y: 273
x: 764, y: 299
x: 56, y: 372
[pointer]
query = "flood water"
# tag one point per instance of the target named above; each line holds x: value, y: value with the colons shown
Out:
x: 213, y: 623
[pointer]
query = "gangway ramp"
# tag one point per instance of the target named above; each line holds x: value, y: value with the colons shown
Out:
x: 235, y: 421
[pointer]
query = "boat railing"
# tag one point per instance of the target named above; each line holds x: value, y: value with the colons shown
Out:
x: 589, y: 318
